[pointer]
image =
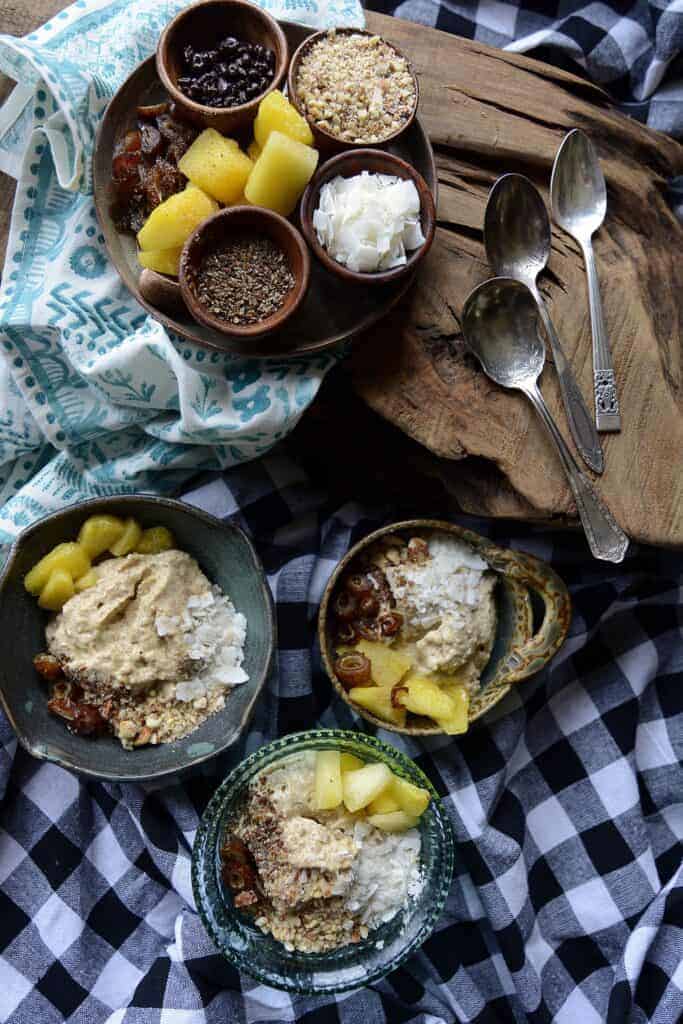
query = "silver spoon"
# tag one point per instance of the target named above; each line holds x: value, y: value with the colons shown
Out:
x: 517, y: 239
x: 579, y: 200
x: 501, y: 328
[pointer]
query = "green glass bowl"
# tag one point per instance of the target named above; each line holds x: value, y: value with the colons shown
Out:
x: 353, y: 965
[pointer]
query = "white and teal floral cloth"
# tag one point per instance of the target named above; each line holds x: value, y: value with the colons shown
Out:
x: 96, y: 397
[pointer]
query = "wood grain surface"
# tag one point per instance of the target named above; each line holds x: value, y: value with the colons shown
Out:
x: 489, y: 112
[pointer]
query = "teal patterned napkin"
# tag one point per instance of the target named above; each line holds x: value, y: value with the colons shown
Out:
x: 96, y: 397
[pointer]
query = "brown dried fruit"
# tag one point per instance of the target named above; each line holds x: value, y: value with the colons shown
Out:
x: 48, y: 667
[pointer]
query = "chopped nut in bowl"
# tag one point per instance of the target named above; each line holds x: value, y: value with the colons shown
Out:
x: 322, y: 861
x: 353, y: 87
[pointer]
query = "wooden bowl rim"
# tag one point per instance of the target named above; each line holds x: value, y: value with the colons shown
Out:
x: 301, y: 279
x: 470, y: 537
x: 211, y: 113
x: 427, y: 212
x: 334, y: 140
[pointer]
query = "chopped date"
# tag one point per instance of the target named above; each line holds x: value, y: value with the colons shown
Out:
x: 48, y: 667
x: 81, y: 718
x: 237, y: 867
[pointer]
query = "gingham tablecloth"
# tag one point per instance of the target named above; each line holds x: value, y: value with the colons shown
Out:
x: 567, y: 904
x: 566, y: 802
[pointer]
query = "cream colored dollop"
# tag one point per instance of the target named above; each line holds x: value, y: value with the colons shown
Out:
x: 107, y: 634
x: 463, y: 636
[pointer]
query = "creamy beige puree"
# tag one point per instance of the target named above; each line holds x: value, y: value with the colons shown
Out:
x: 107, y: 634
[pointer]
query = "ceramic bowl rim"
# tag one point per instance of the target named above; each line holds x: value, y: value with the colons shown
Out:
x: 237, y: 778
x: 179, y: 506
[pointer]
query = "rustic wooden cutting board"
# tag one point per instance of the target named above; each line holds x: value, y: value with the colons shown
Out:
x: 488, y: 112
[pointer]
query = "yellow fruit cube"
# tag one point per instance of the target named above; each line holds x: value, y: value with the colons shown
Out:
x: 349, y: 763
x: 276, y: 113
x: 173, y: 221
x: 87, y: 581
x: 423, y: 696
x: 361, y: 787
x: 98, y: 533
x: 409, y: 798
x: 395, y: 821
x: 327, y: 790
x: 253, y: 150
x: 387, y: 666
x: 164, y: 261
x: 129, y: 539
x: 383, y: 804
x: 57, y: 591
x: 70, y: 557
x: 377, y: 700
x: 281, y: 173
x: 155, y: 540
x: 216, y: 165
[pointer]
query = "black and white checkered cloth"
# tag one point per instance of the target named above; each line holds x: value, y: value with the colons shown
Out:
x: 633, y: 49
x: 566, y: 804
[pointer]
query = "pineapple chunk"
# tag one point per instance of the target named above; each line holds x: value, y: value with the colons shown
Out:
x: 281, y: 173
x: 327, y: 791
x: 98, y: 533
x: 349, y: 763
x: 383, y: 804
x: 276, y: 113
x: 423, y: 696
x: 57, y: 591
x: 253, y: 150
x: 172, y: 222
x: 85, y: 582
x: 387, y: 666
x: 377, y: 700
x: 394, y: 821
x: 155, y: 540
x: 409, y: 798
x: 164, y: 261
x: 216, y: 165
x: 70, y: 557
x: 129, y: 539
x: 361, y: 787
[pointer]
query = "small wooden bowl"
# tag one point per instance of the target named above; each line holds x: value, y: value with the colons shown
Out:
x: 518, y: 649
x: 202, y: 25
x: 326, y: 140
x: 245, y: 220
x: 347, y: 165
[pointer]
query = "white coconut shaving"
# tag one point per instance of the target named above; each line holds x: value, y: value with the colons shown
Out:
x: 370, y: 221
x: 214, y: 634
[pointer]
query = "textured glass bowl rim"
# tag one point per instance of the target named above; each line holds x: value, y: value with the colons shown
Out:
x: 203, y: 852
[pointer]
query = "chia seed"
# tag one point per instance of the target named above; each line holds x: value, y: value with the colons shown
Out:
x: 244, y: 281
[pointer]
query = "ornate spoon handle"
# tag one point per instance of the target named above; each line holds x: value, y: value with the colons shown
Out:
x: 605, y: 537
x: 607, y: 415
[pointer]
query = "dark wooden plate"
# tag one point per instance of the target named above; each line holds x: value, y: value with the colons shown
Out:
x: 333, y: 310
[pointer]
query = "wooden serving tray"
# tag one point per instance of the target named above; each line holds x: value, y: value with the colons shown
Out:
x: 333, y: 309
x: 488, y: 112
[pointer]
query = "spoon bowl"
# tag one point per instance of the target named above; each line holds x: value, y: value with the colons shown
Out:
x: 501, y: 325
x: 517, y: 229
x: 577, y: 186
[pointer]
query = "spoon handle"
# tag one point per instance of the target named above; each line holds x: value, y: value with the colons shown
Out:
x: 606, y: 400
x: 580, y: 420
x: 606, y: 539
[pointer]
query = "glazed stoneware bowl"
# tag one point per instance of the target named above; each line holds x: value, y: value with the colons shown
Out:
x: 348, y: 165
x: 225, y: 555
x: 203, y: 25
x: 518, y: 651
x: 351, y: 966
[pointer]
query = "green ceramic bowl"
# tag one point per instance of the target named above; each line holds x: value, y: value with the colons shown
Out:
x: 351, y: 966
x: 226, y: 556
